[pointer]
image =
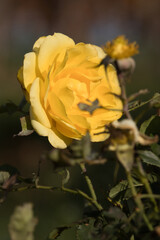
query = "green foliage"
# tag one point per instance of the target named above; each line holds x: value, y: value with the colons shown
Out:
x: 146, y: 123
x: 123, y: 188
x: 149, y: 157
x: 134, y: 206
x: 156, y: 149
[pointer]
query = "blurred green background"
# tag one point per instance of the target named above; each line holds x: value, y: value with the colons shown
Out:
x: 90, y: 21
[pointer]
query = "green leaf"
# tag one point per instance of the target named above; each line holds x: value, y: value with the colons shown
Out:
x: 26, y: 127
x: 146, y: 123
x: 156, y: 148
x: 22, y: 223
x: 122, y: 186
x: 149, y: 157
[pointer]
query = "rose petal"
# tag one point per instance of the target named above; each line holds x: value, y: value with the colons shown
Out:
x: 100, y: 52
x: 56, y: 139
x: 67, y: 130
x: 97, y: 135
x: 113, y: 79
x: 29, y: 69
x: 101, y: 117
x: 55, y: 106
x: 36, y: 105
x: 51, y: 46
x: 20, y: 76
x: 20, y: 79
x: 38, y: 44
x: 79, y: 121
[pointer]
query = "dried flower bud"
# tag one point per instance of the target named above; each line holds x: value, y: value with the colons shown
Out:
x: 120, y: 48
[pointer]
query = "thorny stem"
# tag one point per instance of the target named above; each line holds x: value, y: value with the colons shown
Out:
x: 144, y: 180
x: 133, y: 189
x: 94, y: 202
x: 124, y: 97
x: 77, y: 191
x: 135, y: 95
x: 88, y: 181
x: 64, y: 189
x: 148, y: 196
x: 86, y: 144
x: 93, y: 197
x: 143, y: 103
x: 138, y: 201
x: 149, y: 190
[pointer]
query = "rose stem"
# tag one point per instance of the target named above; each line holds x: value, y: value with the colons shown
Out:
x: 51, y: 188
x: 88, y: 181
x: 144, y: 180
x: 138, y: 201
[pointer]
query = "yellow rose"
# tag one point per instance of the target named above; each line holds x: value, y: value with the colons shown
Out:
x: 57, y: 77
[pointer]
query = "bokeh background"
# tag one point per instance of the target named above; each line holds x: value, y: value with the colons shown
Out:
x: 90, y: 21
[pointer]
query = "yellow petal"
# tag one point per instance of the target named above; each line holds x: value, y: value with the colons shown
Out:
x: 51, y: 46
x: 67, y: 130
x: 38, y: 44
x: 55, y: 106
x: 85, y: 54
x: 101, y: 117
x: 29, y: 70
x: 20, y: 76
x: 79, y: 121
x: 20, y: 79
x: 97, y: 135
x: 67, y: 97
x: 56, y: 139
x: 38, y: 127
x: 65, y: 94
x: 36, y: 104
x: 113, y: 79
x: 100, y: 52
x: 105, y: 97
